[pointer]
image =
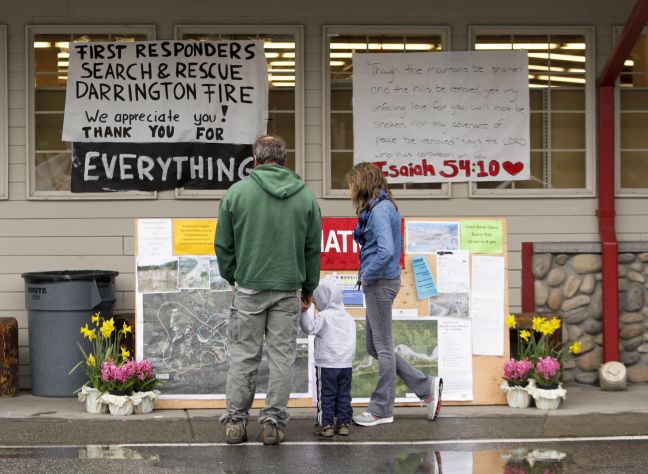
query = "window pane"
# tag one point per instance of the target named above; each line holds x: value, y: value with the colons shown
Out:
x: 633, y: 130
x: 49, y: 128
x: 53, y: 171
x: 51, y: 59
x: 567, y: 130
x: 633, y: 99
x: 568, y: 169
x: 634, y: 169
x: 557, y: 79
x: 50, y: 100
x: 341, y: 49
x: 280, y: 56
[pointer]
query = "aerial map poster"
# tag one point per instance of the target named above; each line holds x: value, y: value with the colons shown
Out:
x: 183, y: 311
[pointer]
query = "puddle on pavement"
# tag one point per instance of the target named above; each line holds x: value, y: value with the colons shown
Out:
x: 514, y: 461
x: 506, y: 461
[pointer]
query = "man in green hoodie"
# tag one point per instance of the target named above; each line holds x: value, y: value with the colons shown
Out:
x: 268, y: 241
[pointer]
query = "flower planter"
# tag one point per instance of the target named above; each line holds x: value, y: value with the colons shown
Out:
x: 143, y: 401
x: 517, y: 396
x: 92, y: 398
x: 118, y: 405
x: 548, y: 398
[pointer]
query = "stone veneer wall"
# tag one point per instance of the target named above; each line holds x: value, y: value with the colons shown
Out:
x: 568, y: 282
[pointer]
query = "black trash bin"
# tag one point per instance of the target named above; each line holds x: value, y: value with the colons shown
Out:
x: 58, y: 304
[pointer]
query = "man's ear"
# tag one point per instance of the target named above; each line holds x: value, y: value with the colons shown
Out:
x: 256, y: 162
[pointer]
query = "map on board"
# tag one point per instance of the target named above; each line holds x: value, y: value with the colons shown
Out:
x: 415, y: 340
x: 185, y: 338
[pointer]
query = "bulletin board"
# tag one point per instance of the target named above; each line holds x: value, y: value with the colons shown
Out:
x: 183, y: 236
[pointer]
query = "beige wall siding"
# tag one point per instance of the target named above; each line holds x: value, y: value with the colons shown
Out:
x: 59, y: 235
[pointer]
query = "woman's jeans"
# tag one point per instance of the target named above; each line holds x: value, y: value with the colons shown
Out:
x: 379, y: 297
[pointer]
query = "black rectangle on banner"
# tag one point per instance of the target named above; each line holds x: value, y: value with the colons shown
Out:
x: 107, y: 167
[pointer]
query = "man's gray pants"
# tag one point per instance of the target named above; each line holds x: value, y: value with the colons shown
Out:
x: 379, y: 297
x: 275, y: 315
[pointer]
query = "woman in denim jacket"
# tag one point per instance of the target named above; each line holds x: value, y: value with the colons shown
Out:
x: 378, y: 232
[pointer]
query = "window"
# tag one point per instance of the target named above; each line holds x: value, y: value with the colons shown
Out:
x: 562, y: 87
x: 50, y: 159
x: 4, y: 147
x: 283, y: 50
x: 632, y: 121
x: 340, y: 42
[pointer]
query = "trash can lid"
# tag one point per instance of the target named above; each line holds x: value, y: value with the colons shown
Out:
x: 67, y: 275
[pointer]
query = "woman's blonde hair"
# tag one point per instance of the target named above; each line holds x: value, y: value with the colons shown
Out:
x: 365, y: 180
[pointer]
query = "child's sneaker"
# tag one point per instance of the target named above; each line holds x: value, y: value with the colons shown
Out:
x: 343, y: 429
x: 325, y: 431
x: 367, y: 419
x: 433, y: 400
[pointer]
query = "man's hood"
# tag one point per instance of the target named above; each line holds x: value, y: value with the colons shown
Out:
x: 277, y: 180
x: 328, y: 295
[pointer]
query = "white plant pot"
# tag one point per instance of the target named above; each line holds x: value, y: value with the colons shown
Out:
x: 518, y: 397
x: 92, y: 399
x: 94, y: 403
x: 547, y: 403
x: 146, y: 406
x: 143, y: 401
x: 548, y: 399
x: 118, y: 405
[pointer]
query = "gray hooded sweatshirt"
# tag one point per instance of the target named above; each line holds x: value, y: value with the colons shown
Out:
x: 333, y: 328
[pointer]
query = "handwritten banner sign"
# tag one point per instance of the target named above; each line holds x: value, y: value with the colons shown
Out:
x: 166, y: 91
x: 442, y: 117
x: 106, y: 167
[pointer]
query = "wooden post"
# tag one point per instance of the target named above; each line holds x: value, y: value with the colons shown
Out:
x: 8, y: 357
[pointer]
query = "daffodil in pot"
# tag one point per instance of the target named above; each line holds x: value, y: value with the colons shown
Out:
x: 105, y: 345
x: 144, y: 393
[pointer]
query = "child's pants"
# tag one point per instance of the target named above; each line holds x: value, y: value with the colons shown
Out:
x: 333, y: 396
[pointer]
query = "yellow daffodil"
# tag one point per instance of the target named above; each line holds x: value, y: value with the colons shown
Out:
x: 124, y: 353
x: 95, y: 319
x: 555, y: 323
x: 575, y: 347
x: 510, y: 321
x: 524, y: 334
x: 90, y: 360
x: 126, y: 329
x: 92, y: 334
x: 107, y: 328
x: 546, y: 328
x: 537, y: 323
x: 86, y: 331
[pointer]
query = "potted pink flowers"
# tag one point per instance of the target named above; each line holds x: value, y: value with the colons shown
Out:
x: 516, y: 382
x: 144, y: 393
x: 130, y: 386
x: 548, y: 391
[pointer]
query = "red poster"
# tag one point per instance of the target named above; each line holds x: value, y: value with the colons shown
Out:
x: 339, y: 251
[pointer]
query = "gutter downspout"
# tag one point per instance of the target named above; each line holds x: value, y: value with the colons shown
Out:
x: 606, y: 184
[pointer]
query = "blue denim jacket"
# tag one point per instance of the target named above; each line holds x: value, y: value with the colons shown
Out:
x: 380, y: 255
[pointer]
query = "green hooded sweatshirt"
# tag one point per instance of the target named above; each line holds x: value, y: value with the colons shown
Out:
x: 268, y: 235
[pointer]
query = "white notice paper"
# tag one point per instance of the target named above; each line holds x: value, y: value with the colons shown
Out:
x: 487, y: 305
x: 453, y: 271
x: 154, y: 238
x: 455, y: 359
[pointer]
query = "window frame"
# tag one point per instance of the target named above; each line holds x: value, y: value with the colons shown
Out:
x: 4, y: 116
x: 620, y: 191
x: 30, y: 32
x: 590, y: 111
x: 328, y: 31
x: 298, y: 32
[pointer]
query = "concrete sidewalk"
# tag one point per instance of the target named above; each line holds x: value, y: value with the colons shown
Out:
x: 581, y: 400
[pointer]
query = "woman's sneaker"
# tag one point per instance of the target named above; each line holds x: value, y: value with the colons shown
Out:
x: 343, y: 429
x: 367, y: 419
x: 433, y: 401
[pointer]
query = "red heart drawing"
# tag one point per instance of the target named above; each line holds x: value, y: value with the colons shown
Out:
x: 512, y: 168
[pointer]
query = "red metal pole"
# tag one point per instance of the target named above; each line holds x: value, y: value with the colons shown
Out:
x: 528, y: 282
x: 606, y: 183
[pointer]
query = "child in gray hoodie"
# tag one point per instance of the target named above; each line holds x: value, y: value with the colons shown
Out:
x: 335, y: 344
